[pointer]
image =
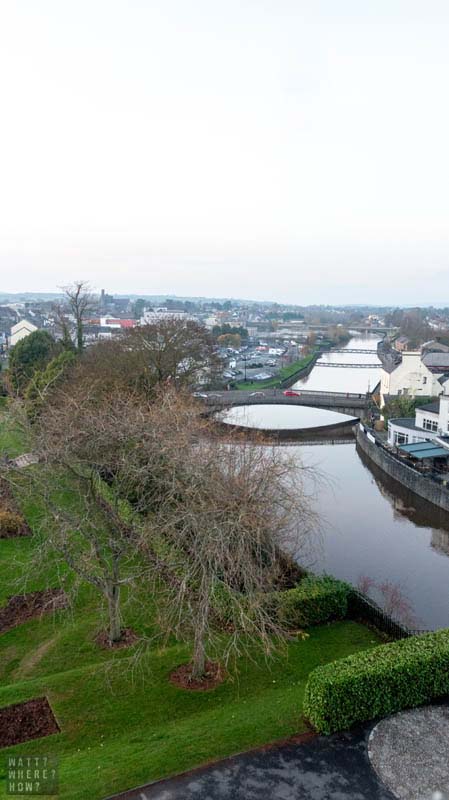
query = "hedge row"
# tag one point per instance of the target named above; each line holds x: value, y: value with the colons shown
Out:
x: 378, y: 682
x: 313, y: 601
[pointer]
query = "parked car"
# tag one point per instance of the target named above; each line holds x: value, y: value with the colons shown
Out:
x: 257, y: 394
x: 291, y: 393
x: 200, y: 394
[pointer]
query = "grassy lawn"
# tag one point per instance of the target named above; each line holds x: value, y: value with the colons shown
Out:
x: 122, y: 722
x: 283, y: 374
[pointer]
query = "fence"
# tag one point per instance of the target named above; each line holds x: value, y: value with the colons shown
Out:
x: 361, y: 606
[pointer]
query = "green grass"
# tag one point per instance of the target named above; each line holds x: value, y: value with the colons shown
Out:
x: 283, y: 374
x: 122, y: 722
x: 118, y: 732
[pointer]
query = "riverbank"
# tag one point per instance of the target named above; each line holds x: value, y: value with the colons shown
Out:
x: 286, y: 376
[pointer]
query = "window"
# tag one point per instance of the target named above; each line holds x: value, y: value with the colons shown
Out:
x: 400, y: 438
x: 430, y: 425
x: 424, y: 380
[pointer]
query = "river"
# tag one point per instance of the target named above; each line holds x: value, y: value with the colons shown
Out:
x: 372, y: 528
x: 326, y: 378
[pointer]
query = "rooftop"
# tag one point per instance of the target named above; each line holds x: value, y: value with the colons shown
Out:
x: 406, y: 422
x: 433, y: 408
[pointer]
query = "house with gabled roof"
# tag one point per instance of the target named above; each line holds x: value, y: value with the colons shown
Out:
x: 417, y: 374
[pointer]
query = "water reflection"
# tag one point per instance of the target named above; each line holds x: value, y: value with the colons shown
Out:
x: 345, y: 379
x: 370, y: 529
x: 281, y: 417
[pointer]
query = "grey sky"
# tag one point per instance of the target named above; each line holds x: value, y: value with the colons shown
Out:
x: 276, y: 149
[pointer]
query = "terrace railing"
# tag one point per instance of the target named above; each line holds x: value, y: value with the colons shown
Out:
x: 360, y: 606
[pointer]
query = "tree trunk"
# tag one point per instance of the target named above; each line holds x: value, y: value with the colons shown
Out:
x: 115, y: 630
x: 79, y: 335
x: 199, y: 654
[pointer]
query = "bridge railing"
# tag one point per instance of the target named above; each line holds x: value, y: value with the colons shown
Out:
x: 351, y: 395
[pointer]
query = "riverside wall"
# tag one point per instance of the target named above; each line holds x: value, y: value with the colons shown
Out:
x: 300, y: 373
x: 436, y: 493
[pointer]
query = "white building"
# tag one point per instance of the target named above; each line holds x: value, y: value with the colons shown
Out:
x: 21, y: 329
x: 418, y: 374
x: 431, y: 422
x: 150, y: 317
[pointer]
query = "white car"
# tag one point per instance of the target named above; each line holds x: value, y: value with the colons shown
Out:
x: 200, y: 394
x: 257, y: 394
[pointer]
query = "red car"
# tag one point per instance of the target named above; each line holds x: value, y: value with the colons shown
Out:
x: 291, y: 393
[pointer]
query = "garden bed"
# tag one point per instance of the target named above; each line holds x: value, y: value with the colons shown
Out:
x: 128, y: 637
x: 24, y: 721
x: 23, y: 607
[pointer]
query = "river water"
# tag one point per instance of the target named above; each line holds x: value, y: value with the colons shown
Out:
x: 281, y: 417
x: 326, y: 378
x: 373, y: 528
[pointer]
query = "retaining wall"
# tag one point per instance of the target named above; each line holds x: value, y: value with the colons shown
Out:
x: 300, y: 373
x: 424, y: 487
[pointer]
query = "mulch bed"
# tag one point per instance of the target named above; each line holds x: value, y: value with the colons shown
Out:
x: 127, y: 638
x: 182, y: 677
x: 22, y: 607
x: 24, y: 721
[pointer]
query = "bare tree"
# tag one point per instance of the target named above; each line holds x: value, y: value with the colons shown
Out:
x: 63, y: 326
x: 102, y: 465
x: 79, y: 300
x: 232, y: 511
x: 175, y: 350
x: 145, y: 493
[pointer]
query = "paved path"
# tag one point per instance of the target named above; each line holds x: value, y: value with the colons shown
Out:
x: 410, y: 752
x: 323, y: 768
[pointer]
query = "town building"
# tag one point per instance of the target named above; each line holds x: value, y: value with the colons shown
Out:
x: 154, y: 315
x: 431, y: 422
x: 418, y: 374
x: 401, y: 343
x: 20, y: 330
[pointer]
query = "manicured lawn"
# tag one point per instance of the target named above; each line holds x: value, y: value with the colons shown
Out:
x: 122, y: 722
x: 121, y: 728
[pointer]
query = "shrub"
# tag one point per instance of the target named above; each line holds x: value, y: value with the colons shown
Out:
x: 314, y: 600
x: 10, y: 523
x: 378, y: 682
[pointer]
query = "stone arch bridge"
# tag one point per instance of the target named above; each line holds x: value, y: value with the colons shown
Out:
x: 356, y: 405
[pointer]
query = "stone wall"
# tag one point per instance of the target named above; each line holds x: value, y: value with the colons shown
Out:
x: 424, y: 487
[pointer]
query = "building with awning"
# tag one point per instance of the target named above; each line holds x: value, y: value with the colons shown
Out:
x: 423, y: 450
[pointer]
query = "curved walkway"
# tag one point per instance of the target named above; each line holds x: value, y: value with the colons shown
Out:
x: 405, y: 757
x: 322, y: 768
x: 410, y: 753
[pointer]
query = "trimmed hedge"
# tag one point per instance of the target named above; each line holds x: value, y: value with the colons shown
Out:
x: 378, y: 682
x: 313, y: 601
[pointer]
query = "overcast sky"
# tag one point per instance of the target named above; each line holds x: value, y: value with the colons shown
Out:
x: 294, y: 150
